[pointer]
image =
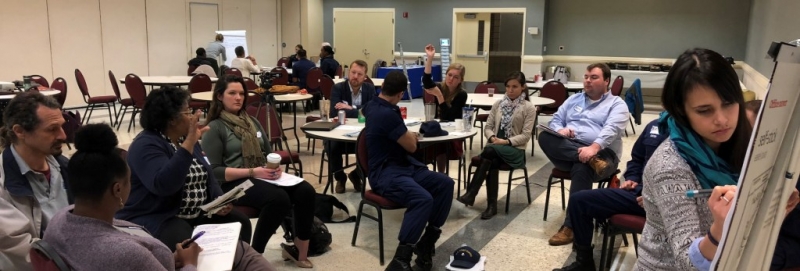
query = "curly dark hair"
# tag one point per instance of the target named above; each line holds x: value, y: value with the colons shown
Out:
x: 21, y: 110
x: 162, y: 106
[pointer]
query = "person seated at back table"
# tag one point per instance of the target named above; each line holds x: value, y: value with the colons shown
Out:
x: 170, y: 177
x: 33, y: 174
x: 352, y: 96
x: 508, y: 128
x: 594, y: 117
x: 246, y: 65
x: 327, y: 64
x: 300, y: 68
x: 398, y: 177
x: 88, y: 237
x: 588, y: 206
x: 294, y: 58
x: 235, y: 146
x: 201, y: 59
x: 451, y: 98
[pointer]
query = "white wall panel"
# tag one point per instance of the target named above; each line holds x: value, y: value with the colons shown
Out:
x: 76, y: 43
x: 124, y: 29
x: 167, y: 37
x: 25, y: 49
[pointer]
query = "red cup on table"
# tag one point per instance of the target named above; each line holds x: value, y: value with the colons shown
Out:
x: 404, y: 112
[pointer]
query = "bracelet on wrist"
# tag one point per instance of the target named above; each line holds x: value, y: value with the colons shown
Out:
x: 250, y: 172
x: 712, y: 239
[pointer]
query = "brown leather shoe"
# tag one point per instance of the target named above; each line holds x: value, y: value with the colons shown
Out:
x: 599, y: 165
x: 339, y: 188
x: 562, y: 237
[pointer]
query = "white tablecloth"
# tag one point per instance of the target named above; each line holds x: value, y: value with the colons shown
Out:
x: 649, y: 79
x: 49, y: 92
x: 570, y: 85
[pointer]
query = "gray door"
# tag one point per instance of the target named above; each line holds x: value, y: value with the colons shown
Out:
x: 505, y: 45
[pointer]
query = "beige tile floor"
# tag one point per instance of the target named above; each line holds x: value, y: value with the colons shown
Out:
x: 521, y: 244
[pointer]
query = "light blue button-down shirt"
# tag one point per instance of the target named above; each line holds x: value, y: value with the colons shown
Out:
x: 601, y: 122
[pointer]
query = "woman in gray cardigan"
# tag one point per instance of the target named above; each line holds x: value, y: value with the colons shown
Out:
x: 508, y: 129
x: 708, y: 138
x: 88, y: 237
x: 235, y: 146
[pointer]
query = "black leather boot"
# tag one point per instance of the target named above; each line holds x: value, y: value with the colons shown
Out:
x: 584, y: 261
x: 468, y: 198
x: 426, y: 248
x: 491, y: 195
x: 402, y: 259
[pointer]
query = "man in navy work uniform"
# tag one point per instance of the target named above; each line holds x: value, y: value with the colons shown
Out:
x: 587, y: 205
x: 398, y: 177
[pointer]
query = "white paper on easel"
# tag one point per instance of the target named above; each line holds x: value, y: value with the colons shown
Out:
x: 233, y: 38
x: 753, y: 224
x: 218, y: 244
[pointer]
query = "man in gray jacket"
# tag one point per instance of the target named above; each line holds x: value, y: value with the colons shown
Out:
x: 33, y: 175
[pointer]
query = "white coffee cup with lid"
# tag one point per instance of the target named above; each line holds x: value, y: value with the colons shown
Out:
x: 273, y: 160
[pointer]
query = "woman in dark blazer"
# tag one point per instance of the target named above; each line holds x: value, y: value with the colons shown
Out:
x: 170, y: 177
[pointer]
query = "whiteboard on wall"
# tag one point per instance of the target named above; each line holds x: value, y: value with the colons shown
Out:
x: 233, y: 38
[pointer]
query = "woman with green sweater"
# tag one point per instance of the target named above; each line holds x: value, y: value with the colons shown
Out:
x: 236, y: 147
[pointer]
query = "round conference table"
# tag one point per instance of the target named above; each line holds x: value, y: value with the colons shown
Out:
x: 572, y: 86
x: 348, y: 133
x: 166, y: 80
x: 482, y: 100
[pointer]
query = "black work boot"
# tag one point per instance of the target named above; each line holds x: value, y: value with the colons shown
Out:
x: 402, y: 259
x: 584, y: 261
x: 426, y: 248
x: 468, y: 198
x: 491, y: 195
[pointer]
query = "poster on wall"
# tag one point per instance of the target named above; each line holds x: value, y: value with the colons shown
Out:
x: 233, y: 38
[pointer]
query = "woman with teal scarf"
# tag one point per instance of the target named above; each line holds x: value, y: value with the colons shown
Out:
x: 708, y: 139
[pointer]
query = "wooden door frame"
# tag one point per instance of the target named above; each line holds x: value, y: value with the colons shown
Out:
x: 333, y: 20
x: 457, y: 11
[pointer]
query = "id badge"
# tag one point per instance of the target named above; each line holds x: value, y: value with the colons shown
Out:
x: 258, y: 134
x: 578, y: 108
x: 654, y: 130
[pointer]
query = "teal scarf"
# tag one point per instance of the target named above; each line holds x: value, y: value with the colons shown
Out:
x: 709, y: 168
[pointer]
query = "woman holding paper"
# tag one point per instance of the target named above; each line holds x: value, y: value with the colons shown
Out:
x: 508, y: 128
x: 236, y: 146
x: 86, y: 235
x: 170, y: 178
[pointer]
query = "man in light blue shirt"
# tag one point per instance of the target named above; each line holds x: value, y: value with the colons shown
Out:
x: 590, y: 125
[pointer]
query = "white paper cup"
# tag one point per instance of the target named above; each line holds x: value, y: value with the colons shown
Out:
x: 273, y: 160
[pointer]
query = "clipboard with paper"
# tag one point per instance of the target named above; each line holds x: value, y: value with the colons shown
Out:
x: 547, y: 129
x: 217, y: 204
x: 770, y: 172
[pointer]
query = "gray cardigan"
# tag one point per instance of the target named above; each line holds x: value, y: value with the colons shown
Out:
x: 673, y: 221
x: 90, y: 244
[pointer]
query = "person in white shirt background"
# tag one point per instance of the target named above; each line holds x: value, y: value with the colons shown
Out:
x: 247, y: 64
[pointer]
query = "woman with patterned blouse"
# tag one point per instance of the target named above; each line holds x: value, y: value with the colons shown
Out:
x: 170, y: 176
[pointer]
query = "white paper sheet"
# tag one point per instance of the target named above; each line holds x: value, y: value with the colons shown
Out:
x: 237, y: 192
x: 285, y: 180
x: 349, y: 128
x: 218, y: 244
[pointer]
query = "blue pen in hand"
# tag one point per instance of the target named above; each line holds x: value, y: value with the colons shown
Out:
x: 194, y: 238
x: 695, y: 193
